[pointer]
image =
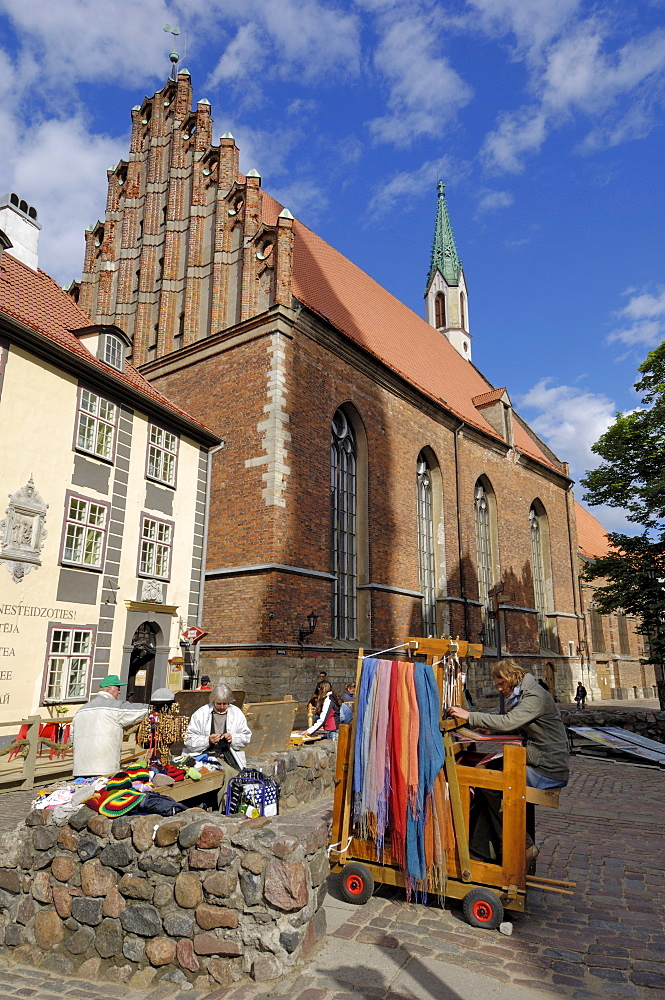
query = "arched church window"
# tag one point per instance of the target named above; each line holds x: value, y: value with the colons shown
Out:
x: 440, y: 310
x: 539, y: 573
x: 343, y: 489
x: 426, y: 545
x: 483, y: 508
x: 462, y: 310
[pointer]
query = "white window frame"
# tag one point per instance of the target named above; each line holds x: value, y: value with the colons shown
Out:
x: 155, y: 548
x: 96, y: 423
x: 84, y: 532
x: 162, y: 456
x: 68, y: 664
x: 114, y: 352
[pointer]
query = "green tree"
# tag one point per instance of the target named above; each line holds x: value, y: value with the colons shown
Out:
x: 632, y: 477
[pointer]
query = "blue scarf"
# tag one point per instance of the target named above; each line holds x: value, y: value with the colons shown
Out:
x: 363, y: 700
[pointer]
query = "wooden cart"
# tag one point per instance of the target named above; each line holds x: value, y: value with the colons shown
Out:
x: 486, y: 890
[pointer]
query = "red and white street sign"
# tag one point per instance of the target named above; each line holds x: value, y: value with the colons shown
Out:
x: 193, y: 633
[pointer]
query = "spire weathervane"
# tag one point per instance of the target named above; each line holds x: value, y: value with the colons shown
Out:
x: 173, y: 56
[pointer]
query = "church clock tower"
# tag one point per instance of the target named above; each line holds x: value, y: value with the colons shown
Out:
x: 446, y: 299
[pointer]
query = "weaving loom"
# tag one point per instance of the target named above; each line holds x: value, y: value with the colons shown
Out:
x: 401, y: 809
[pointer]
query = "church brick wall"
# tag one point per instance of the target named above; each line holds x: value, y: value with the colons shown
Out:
x: 246, y: 530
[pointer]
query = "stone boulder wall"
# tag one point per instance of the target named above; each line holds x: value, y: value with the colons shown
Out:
x: 197, y: 898
x: 304, y: 774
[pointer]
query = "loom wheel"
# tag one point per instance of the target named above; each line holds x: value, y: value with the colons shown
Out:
x: 483, y: 908
x: 356, y: 883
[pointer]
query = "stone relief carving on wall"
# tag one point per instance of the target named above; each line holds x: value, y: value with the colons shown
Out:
x: 22, y: 531
x: 151, y: 590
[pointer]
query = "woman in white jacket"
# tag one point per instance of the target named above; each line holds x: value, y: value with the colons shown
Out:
x: 217, y: 727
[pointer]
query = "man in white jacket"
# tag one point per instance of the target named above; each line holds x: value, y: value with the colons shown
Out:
x: 98, y: 729
x: 219, y: 728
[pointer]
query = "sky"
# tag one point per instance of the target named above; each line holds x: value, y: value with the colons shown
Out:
x: 543, y: 117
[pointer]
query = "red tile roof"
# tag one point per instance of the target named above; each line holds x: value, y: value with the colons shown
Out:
x: 36, y: 301
x: 486, y: 398
x: 331, y: 285
x: 591, y: 536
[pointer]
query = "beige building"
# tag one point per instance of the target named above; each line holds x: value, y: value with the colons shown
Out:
x: 613, y: 653
x: 104, y: 483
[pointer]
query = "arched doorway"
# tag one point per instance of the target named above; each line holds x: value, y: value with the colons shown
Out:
x: 142, y: 662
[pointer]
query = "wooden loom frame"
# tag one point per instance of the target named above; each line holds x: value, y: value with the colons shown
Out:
x: 509, y: 879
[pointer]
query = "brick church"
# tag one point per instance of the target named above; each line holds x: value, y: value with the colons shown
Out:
x: 370, y: 476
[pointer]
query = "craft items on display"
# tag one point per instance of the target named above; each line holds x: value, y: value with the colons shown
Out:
x: 162, y: 727
x: 400, y: 795
x: 252, y: 793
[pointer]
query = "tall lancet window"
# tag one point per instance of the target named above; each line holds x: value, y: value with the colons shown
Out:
x: 343, y: 489
x: 426, y: 545
x: 485, y: 556
x: 540, y: 568
x: 440, y: 310
x: 462, y: 310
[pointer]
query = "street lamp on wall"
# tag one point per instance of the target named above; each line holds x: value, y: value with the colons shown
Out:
x: 303, y: 633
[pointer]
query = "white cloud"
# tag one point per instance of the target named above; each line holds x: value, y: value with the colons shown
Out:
x: 295, y: 39
x: 242, y: 55
x: 645, y: 320
x: 570, y: 420
x: 533, y: 22
x: 425, y: 92
x: 60, y: 168
x: 409, y: 185
x: 516, y: 133
x: 492, y: 201
x: 582, y: 72
x: 90, y: 40
x: 303, y: 197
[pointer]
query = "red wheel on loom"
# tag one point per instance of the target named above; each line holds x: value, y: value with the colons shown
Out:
x: 356, y: 883
x: 483, y: 908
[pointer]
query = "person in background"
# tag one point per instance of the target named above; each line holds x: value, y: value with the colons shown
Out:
x: 312, y: 703
x: 205, y: 683
x: 220, y: 729
x: 580, y: 696
x: 530, y: 709
x: 327, y: 710
x: 98, y: 728
x: 348, y: 699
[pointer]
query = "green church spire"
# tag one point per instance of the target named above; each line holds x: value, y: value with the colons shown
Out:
x: 444, y: 252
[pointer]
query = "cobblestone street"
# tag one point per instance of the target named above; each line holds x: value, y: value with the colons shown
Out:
x: 607, y: 939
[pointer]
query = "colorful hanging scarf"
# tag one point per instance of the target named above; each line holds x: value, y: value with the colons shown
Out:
x: 399, y: 783
x: 431, y: 759
x: 364, y: 699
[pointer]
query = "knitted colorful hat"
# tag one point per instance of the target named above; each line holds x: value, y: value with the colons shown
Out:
x: 121, y: 802
x: 118, y: 781
x: 138, y: 773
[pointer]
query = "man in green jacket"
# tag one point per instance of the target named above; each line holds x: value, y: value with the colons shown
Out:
x: 531, y: 709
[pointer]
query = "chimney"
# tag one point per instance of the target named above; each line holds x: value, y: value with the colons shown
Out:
x: 18, y: 221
